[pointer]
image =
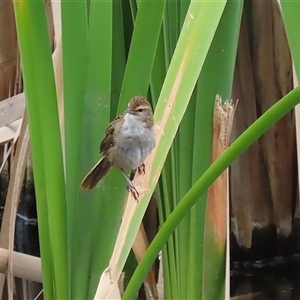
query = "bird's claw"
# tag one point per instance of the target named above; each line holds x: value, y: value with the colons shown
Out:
x: 141, y: 169
x: 133, y: 191
x: 135, y: 194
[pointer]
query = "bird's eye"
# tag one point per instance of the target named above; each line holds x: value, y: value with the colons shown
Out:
x: 140, y: 110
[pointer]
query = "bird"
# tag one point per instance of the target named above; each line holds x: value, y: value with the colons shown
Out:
x: 128, y: 140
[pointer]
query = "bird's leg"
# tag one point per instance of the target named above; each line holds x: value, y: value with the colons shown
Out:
x: 131, y: 187
x: 141, y: 169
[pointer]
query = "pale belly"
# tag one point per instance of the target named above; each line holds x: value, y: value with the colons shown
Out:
x: 131, y: 153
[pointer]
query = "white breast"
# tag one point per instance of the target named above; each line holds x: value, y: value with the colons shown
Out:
x: 133, y: 144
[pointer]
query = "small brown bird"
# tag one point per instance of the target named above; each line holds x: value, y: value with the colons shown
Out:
x: 128, y: 141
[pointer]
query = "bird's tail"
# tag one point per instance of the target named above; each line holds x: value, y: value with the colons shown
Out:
x: 96, y: 174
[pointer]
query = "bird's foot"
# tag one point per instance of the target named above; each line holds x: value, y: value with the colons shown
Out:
x: 133, y: 191
x: 131, y: 187
x: 141, y: 169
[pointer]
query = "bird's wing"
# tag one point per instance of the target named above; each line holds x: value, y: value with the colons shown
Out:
x: 108, y: 140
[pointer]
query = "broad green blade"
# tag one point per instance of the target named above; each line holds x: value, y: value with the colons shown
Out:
x: 118, y: 56
x: 45, y: 144
x: 93, y: 240
x: 74, y: 33
x: 142, y: 51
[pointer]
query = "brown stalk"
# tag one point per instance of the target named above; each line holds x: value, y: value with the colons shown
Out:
x: 217, y: 209
x: 139, y: 248
x: 218, y: 192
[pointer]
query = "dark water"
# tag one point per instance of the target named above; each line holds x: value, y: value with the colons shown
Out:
x: 276, y: 279
x: 270, y: 270
x: 26, y: 238
x: 26, y: 241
